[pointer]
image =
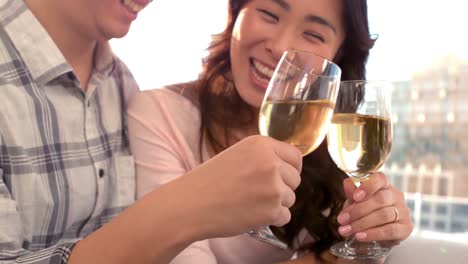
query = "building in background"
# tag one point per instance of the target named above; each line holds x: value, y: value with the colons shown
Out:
x: 430, y: 151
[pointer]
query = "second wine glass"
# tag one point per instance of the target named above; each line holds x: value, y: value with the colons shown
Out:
x: 298, y: 106
x: 359, y: 142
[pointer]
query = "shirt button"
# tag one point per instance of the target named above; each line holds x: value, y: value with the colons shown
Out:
x: 101, y: 173
x: 89, y: 103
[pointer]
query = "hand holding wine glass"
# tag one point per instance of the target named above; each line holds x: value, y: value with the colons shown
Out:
x: 359, y: 142
x: 298, y: 106
x: 375, y: 211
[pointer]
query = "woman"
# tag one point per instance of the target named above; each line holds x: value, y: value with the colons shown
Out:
x: 175, y: 129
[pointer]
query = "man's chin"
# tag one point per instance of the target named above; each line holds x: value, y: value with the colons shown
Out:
x: 119, y: 33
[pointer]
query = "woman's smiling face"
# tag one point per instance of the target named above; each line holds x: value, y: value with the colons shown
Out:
x: 264, y: 29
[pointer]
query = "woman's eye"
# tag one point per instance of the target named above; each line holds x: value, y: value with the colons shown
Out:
x: 269, y: 16
x: 314, y: 36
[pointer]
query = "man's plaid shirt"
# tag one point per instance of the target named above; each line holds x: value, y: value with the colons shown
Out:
x: 65, y: 167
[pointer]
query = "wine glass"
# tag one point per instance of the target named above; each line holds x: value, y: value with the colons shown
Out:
x: 298, y: 106
x: 359, y: 141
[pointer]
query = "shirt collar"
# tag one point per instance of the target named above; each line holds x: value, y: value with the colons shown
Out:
x: 41, y: 55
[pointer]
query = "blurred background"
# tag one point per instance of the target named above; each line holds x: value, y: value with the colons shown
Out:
x: 422, y: 48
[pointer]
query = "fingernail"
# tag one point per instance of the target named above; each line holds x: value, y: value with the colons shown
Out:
x: 361, y: 236
x: 343, y: 218
x: 344, y: 230
x: 359, y: 195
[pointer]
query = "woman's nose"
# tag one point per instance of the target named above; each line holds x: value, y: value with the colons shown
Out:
x: 278, y: 43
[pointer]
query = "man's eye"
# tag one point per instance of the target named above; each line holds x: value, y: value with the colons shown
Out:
x: 269, y: 16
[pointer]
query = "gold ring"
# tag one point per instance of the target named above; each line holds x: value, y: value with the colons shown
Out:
x: 397, y: 214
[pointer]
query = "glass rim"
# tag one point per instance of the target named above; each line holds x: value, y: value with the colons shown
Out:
x: 315, y: 54
x: 365, y: 81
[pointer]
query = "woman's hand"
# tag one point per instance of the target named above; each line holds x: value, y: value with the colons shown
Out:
x: 375, y: 211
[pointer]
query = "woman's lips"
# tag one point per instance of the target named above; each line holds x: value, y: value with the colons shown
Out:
x: 260, y: 74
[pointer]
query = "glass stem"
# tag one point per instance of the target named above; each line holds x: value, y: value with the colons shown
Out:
x: 358, y: 180
x: 354, y: 246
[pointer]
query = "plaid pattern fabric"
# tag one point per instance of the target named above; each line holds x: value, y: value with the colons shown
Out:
x: 65, y: 166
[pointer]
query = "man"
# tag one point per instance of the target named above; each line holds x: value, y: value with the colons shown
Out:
x: 67, y: 175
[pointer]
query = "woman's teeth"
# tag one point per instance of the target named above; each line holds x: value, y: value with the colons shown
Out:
x: 132, y: 5
x: 263, y: 69
x: 267, y: 72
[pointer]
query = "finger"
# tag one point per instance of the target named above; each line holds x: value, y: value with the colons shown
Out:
x: 291, y: 180
x: 288, y: 197
x: 283, y: 217
x: 367, y: 188
x: 390, y: 232
x: 357, y: 210
x: 380, y: 217
x: 349, y: 188
x: 288, y: 153
x: 290, y: 176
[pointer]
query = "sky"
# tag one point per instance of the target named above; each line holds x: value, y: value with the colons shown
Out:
x: 415, y: 33
x: 412, y: 35
x: 158, y: 54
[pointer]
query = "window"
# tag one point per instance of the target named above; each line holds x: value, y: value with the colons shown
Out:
x: 458, y: 227
x: 441, y: 209
x: 440, y: 226
x: 425, y: 224
x: 398, y: 181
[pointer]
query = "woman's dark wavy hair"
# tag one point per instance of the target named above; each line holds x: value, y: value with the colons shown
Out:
x: 320, y: 196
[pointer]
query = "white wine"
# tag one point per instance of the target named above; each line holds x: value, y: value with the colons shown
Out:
x: 300, y: 123
x: 359, y: 144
